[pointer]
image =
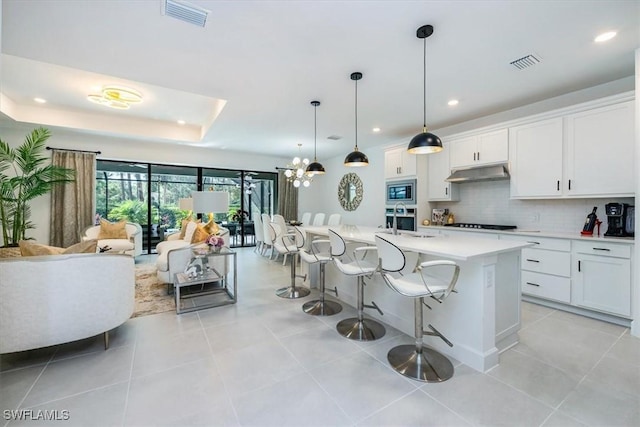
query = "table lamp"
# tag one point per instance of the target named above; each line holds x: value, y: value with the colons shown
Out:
x: 186, y: 204
x: 210, y: 202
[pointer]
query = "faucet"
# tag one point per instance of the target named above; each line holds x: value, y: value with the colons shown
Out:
x: 395, y: 219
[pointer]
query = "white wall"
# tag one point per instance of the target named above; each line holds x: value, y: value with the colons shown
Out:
x: 131, y: 150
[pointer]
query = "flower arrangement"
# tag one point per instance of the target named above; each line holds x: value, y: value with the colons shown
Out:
x: 215, y: 242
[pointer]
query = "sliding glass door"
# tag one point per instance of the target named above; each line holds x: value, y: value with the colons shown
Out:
x: 149, y: 194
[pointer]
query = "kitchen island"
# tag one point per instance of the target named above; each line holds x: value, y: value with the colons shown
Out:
x: 481, y: 319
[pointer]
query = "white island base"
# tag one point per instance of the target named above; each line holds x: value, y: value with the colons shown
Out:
x: 481, y: 320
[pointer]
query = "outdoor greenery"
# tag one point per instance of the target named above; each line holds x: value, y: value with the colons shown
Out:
x: 32, y: 175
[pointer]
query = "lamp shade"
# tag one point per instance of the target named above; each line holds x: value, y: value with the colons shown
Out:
x: 315, y: 168
x: 356, y: 159
x: 186, y: 204
x: 425, y: 143
x: 210, y: 201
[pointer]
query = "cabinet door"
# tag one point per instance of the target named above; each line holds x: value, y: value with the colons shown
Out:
x: 535, y: 156
x: 392, y: 163
x: 493, y: 147
x: 438, y: 170
x: 600, y: 147
x: 463, y: 152
x: 408, y: 163
x: 602, y: 283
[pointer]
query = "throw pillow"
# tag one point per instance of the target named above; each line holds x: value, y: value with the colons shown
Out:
x: 190, y: 231
x: 211, y: 227
x: 200, y: 234
x: 86, y: 247
x: 112, y: 230
x: 29, y: 248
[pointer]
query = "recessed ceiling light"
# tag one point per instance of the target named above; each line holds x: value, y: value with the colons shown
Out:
x: 376, y: 129
x: 181, y: 122
x: 40, y: 100
x: 452, y: 103
x: 605, y: 36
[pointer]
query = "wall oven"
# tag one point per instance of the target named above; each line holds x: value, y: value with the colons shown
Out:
x: 401, y: 191
x: 406, y: 220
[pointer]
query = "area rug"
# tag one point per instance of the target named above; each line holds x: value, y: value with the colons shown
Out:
x: 151, y: 296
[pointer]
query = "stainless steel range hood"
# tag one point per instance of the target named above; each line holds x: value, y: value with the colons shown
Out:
x: 483, y: 173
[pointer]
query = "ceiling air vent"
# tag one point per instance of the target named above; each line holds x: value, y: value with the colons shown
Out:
x: 185, y: 12
x: 334, y: 137
x: 525, y: 62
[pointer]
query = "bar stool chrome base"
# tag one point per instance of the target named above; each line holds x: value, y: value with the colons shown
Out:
x: 292, y: 292
x: 360, y: 329
x: 428, y: 366
x: 321, y: 308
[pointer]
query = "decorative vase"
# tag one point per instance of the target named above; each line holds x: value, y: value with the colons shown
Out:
x: 10, y: 252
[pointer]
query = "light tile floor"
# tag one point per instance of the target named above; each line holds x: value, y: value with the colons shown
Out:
x: 263, y: 362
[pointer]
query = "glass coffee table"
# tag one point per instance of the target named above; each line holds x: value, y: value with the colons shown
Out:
x: 215, y: 284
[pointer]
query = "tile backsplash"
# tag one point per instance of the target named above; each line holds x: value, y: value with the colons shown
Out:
x: 489, y: 203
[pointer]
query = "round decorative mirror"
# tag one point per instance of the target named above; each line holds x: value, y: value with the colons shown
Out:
x: 350, y: 191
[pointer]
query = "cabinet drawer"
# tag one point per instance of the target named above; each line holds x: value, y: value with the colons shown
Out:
x: 603, y: 249
x: 542, y: 242
x: 546, y: 286
x: 548, y: 262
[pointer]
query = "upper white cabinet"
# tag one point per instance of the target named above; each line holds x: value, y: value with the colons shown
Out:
x: 398, y: 162
x: 582, y: 154
x: 535, y: 155
x: 600, y: 147
x: 438, y: 170
x: 482, y: 149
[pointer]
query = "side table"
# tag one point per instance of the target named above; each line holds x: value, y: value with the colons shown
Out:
x: 217, y: 287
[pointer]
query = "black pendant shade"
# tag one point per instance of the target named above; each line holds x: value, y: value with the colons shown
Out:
x: 356, y: 158
x: 425, y: 142
x: 315, y: 167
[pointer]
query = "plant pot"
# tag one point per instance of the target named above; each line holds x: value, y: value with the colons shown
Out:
x: 10, y: 252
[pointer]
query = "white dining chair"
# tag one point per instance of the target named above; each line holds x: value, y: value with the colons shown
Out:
x: 318, y: 219
x: 334, y: 219
x: 306, y: 218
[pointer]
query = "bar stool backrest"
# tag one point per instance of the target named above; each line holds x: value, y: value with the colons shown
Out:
x: 299, y: 238
x: 391, y: 257
x: 338, y: 246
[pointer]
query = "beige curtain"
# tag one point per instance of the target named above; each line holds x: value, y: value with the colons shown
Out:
x: 72, y: 207
x: 287, y: 198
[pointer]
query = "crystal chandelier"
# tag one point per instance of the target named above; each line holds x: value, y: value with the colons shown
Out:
x: 296, y: 171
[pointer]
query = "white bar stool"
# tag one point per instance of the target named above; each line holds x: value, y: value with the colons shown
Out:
x: 288, y: 244
x: 416, y: 361
x: 356, y: 328
x: 319, y: 307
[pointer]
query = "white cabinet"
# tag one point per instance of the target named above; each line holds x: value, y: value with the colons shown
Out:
x: 438, y: 170
x: 398, y: 163
x: 602, y: 277
x: 584, y: 154
x: 482, y: 149
x: 600, y: 147
x: 535, y: 156
x: 546, y: 268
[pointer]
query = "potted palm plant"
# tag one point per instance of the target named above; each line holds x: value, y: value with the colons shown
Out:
x: 25, y: 173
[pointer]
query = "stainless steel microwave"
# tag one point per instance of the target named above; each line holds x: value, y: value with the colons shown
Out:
x: 401, y: 191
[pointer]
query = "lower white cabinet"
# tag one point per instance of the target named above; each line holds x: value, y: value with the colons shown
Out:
x: 602, y: 277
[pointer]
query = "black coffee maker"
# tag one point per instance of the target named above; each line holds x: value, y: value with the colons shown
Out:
x: 617, y: 219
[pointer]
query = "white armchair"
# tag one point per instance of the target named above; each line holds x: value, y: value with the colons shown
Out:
x: 132, y: 245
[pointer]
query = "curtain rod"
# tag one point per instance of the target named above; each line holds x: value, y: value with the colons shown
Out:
x: 77, y: 151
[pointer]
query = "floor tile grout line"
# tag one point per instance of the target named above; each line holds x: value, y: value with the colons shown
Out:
x: 423, y: 390
x: 127, y: 394
x: 219, y: 371
x: 37, y: 378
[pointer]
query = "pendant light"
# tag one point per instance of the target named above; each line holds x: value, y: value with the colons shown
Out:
x: 316, y: 167
x: 425, y: 142
x: 356, y: 158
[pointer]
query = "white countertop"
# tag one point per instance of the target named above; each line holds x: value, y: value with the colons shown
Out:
x: 450, y: 247
x: 557, y: 235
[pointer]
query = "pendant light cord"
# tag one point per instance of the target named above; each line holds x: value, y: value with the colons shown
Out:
x: 315, y: 132
x: 424, y: 98
x: 356, y: 115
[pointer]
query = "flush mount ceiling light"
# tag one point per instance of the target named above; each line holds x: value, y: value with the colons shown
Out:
x: 40, y: 100
x: 425, y: 142
x: 605, y: 37
x: 356, y: 158
x: 315, y: 168
x: 453, y: 103
x: 116, y: 97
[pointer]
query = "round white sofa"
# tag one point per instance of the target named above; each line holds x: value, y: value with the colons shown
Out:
x: 54, y: 299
